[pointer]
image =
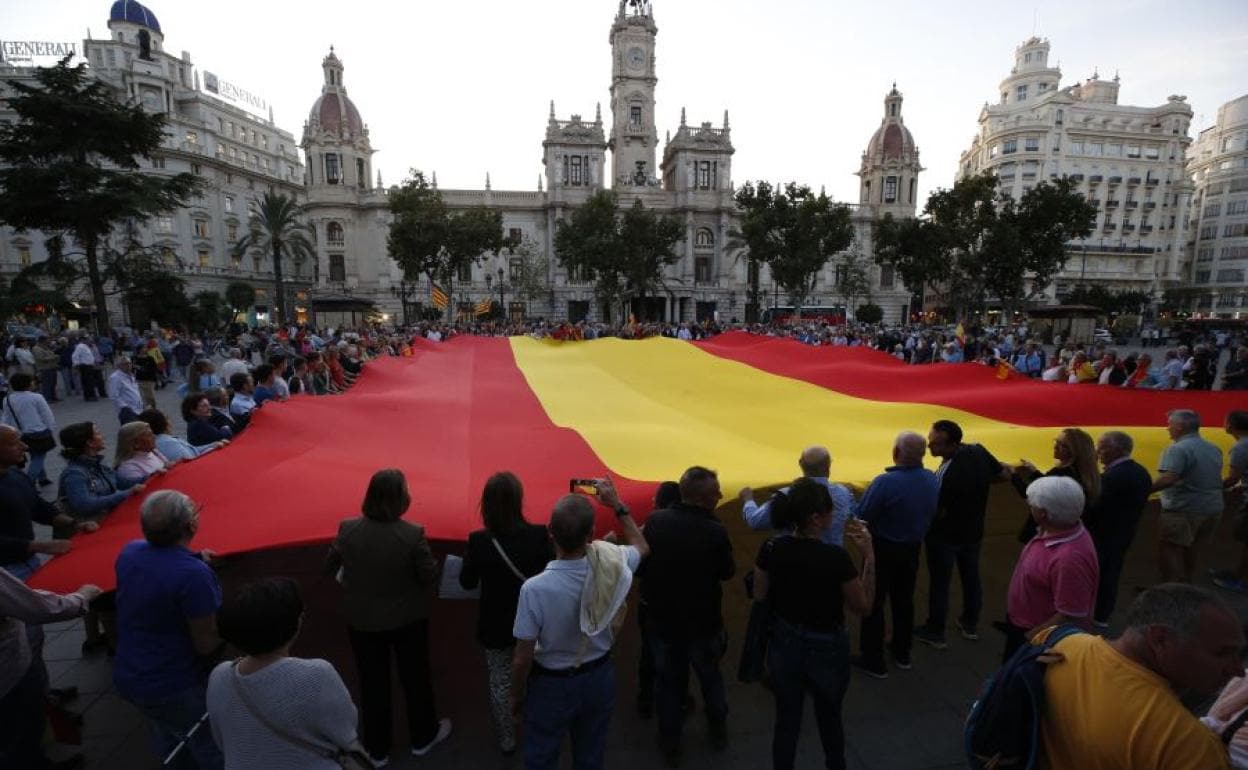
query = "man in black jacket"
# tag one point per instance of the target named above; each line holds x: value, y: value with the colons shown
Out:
x: 957, y: 531
x: 1112, y: 520
x: 690, y: 555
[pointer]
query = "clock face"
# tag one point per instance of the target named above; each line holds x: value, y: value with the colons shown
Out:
x: 636, y: 58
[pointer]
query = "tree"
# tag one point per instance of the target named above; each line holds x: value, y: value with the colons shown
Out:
x: 159, y: 296
x: 239, y: 296
x: 528, y: 270
x: 624, y: 253
x: 793, y: 231
x: 68, y: 164
x: 426, y: 239
x: 869, y: 314
x: 1112, y: 302
x: 276, y: 229
x: 909, y: 246
x: 853, y: 279
x: 211, y: 310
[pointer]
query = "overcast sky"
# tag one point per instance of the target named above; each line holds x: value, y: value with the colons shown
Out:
x: 463, y: 88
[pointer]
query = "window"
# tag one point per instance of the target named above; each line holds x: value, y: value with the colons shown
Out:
x: 23, y: 255
x: 888, y: 276
x: 704, y: 239
x: 913, y: 185
x: 1042, y: 87
x: 1133, y: 151
x: 205, y: 259
x: 1213, y: 210
x: 515, y: 235
x: 334, y: 234
x: 464, y: 272
x: 890, y: 189
x: 1234, y: 231
x: 1020, y: 94
x: 1237, y: 207
x: 231, y: 231
x: 515, y: 268
x: 575, y: 170
x: 1095, y: 149
x: 360, y: 180
x: 1010, y: 147
x: 168, y: 256
x: 1061, y: 115
x: 1202, y: 276
x: 229, y: 203
x: 236, y: 261
x: 702, y: 270
x: 1208, y: 232
x: 1234, y: 275
x: 1234, y: 252
x: 1076, y: 148
x: 634, y: 115
x: 331, y: 168
x: 164, y: 224
x: 1031, y: 144
x: 704, y: 175
x: 1152, y: 153
x: 1113, y: 150
x: 1205, y: 254
x: 994, y: 151
x: 201, y: 228
x: 195, y: 169
x: 337, y: 267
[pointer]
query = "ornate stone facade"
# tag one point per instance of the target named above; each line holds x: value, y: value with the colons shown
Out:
x: 693, y: 182
x: 1129, y: 161
x: 1218, y: 230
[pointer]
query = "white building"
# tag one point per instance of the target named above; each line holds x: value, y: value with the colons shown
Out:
x: 690, y: 179
x: 1129, y: 161
x: 239, y: 153
x: 1218, y: 230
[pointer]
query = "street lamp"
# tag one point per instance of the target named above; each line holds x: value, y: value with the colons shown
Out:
x: 502, y: 294
x: 404, y: 292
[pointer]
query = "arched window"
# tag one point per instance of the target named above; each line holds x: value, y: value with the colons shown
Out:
x: 704, y: 239
x: 334, y: 233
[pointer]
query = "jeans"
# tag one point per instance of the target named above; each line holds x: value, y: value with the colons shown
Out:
x: 47, y: 384
x: 580, y: 705
x: 896, y: 567
x: 69, y: 380
x: 34, y: 468
x: 941, y: 557
x: 170, y: 718
x: 802, y: 661
x: 410, y: 646
x: 672, y: 660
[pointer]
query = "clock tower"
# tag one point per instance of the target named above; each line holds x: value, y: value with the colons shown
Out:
x: 633, y: 135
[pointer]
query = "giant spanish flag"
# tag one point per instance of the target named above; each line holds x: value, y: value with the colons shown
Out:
x: 641, y: 411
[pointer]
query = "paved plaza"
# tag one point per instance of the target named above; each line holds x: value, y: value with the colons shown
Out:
x: 912, y: 721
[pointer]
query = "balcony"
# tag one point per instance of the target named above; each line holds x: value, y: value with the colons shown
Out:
x: 1134, y: 180
x: 1150, y: 205
x: 1151, y: 181
x: 1132, y: 204
x: 1115, y: 180
x: 1076, y: 177
x: 1109, y: 227
x: 1146, y: 228
x: 1128, y: 228
x: 1111, y: 204
x: 1095, y: 179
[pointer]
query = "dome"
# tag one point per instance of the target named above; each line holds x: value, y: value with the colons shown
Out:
x: 334, y: 111
x: 891, y: 139
x: 135, y: 13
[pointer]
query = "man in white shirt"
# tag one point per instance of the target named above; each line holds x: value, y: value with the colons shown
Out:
x: 562, y: 674
x: 83, y: 360
x: 233, y: 365
x: 123, y: 389
x: 243, y: 401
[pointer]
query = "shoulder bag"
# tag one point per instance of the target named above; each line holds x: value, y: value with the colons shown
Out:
x: 39, y: 442
x: 510, y: 565
x: 352, y: 758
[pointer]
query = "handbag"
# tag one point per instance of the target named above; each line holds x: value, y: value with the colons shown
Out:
x: 39, y: 442
x: 351, y: 758
x: 510, y: 565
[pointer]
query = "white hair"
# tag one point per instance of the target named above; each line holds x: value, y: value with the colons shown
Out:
x: 1058, y: 496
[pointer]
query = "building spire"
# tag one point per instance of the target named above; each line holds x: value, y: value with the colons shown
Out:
x: 725, y: 120
x: 380, y: 186
x: 487, y: 180
x: 434, y: 180
x: 682, y: 117
x: 539, y: 182
x: 552, y: 110
x: 598, y: 112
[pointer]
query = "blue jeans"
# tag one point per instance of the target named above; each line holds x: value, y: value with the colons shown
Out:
x: 802, y: 661
x: 170, y: 718
x: 672, y: 660
x: 580, y: 705
x: 34, y: 468
x: 941, y: 558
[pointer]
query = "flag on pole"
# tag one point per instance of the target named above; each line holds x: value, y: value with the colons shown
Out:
x: 438, y: 297
x: 482, y: 307
x: 960, y: 333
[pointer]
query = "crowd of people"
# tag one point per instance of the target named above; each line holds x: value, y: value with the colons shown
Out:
x: 553, y: 599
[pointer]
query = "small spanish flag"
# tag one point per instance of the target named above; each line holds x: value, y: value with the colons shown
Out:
x: 1004, y: 370
x: 482, y: 308
x: 960, y: 333
x: 438, y: 296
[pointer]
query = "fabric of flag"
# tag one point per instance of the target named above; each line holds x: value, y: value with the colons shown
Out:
x: 438, y: 297
x: 482, y: 307
x: 1004, y: 370
x: 960, y: 333
x: 641, y: 411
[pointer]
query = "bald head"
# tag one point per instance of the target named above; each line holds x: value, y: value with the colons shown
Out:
x: 816, y: 461
x: 909, y: 448
x: 572, y: 522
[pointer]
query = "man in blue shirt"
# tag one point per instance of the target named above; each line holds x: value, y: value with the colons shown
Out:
x: 816, y: 463
x: 897, y: 508
x: 167, y: 600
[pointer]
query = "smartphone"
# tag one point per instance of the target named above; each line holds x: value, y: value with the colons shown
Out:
x: 583, y: 486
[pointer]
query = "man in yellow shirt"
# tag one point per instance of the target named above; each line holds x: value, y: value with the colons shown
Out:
x: 1114, y: 705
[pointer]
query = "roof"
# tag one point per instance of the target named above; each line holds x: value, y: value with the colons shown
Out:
x: 332, y: 108
x: 893, y: 139
x: 135, y: 13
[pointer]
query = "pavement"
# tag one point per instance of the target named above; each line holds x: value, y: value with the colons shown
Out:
x: 911, y: 721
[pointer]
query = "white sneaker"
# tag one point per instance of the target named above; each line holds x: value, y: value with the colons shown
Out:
x: 380, y: 762
x: 444, y: 732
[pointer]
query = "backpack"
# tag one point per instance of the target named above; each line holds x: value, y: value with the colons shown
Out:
x: 1003, y: 728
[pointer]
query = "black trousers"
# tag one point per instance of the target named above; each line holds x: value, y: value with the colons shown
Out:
x: 896, y: 568
x: 410, y: 646
x: 1110, y: 555
x: 92, y: 383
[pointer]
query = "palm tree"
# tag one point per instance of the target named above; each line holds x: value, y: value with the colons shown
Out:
x: 276, y: 228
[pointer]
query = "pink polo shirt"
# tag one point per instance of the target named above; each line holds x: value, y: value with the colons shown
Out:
x: 1055, y: 573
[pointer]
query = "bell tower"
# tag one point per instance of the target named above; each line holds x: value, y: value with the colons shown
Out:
x: 633, y: 133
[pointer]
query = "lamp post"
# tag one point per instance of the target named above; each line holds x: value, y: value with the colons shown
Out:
x: 502, y: 294
x: 404, y: 292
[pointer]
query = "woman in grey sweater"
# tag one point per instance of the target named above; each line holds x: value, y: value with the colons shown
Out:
x: 267, y: 710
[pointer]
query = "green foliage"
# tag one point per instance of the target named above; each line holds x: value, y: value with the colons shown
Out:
x: 240, y: 297
x: 528, y: 270
x: 624, y: 253
x: 977, y: 241
x: 1111, y: 302
x: 1125, y: 325
x: 277, y: 229
x: 68, y: 163
x: 210, y: 310
x: 427, y: 240
x: 869, y: 313
x: 160, y: 296
x: 792, y: 231
x: 853, y: 277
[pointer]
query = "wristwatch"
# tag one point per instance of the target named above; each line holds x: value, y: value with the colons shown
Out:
x: 621, y: 510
